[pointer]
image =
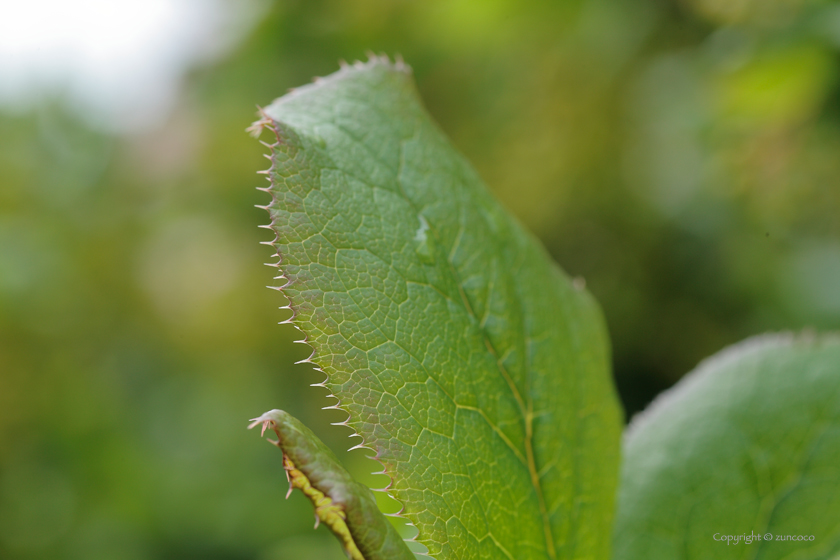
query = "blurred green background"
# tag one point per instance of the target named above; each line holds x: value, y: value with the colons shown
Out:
x: 683, y: 156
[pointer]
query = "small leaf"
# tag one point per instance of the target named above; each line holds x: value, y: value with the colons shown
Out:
x: 468, y: 360
x: 747, y: 445
x: 347, y: 507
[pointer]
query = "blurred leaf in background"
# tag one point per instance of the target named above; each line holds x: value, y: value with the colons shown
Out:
x: 680, y: 155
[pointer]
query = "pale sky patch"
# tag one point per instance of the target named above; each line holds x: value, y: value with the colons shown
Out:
x: 118, y: 64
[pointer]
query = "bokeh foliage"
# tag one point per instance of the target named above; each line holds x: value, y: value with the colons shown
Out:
x: 681, y: 156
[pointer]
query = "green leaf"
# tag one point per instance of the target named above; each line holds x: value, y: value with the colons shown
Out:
x: 748, y: 444
x: 471, y: 364
x: 347, y: 507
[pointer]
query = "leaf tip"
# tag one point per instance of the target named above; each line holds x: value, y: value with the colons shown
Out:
x: 257, y: 126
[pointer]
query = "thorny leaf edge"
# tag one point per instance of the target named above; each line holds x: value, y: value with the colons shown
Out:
x: 255, y: 130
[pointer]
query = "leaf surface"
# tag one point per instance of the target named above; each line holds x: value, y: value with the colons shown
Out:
x: 748, y: 444
x: 468, y: 361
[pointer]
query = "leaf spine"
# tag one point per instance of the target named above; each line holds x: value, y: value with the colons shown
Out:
x: 266, y: 121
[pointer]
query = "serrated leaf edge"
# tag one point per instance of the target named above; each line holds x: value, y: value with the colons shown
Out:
x: 266, y: 122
